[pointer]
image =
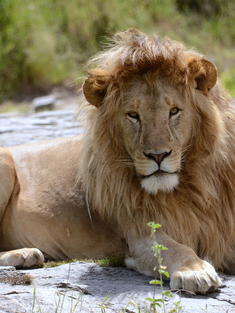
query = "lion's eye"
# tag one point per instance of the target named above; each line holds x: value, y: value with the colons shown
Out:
x: 174, y: 111
x: 133, y: 116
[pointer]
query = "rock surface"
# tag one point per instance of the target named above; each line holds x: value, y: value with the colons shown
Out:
x: 84, y: 287
x: 87, y: 287
x: 44, y: 103
x: 18, y: 128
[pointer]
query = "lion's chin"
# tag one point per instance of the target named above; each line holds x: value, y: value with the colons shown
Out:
x: 166, y: 182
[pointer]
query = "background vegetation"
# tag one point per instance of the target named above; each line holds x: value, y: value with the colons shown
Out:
x: 44, y: 43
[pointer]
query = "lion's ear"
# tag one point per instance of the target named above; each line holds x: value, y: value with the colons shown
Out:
x: 95, y: 86
x: 204, y: 74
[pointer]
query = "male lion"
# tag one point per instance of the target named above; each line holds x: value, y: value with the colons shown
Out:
x: 159, y: 146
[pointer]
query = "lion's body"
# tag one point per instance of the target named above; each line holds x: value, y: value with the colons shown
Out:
x: 47, y: 209
x: 159, y: 146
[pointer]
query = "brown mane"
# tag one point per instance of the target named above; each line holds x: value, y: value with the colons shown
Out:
x: 200, y: 211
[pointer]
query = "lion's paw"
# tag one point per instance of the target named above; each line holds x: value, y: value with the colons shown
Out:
x: 23, y: 258
x: 201, y: 280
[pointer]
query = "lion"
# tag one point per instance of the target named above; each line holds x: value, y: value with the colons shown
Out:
x: 159, y: 145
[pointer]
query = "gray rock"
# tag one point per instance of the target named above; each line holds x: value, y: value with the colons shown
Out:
x: 44, y: 103
x: 18, y: 128
x: 4, y: 269
x: 86, y: 287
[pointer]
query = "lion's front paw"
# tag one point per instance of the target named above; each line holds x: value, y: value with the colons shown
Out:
x: 23, y: 258
x: 198, y: 280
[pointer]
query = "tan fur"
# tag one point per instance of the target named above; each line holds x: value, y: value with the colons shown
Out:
x: 42, y: 206
x: 159, y: 146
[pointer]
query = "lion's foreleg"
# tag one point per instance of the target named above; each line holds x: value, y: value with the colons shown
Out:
x: 187, y: 270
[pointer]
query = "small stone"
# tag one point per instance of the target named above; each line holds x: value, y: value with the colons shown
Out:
x: 46, y: 103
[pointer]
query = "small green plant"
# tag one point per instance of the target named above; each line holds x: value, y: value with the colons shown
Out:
x: 161, y: 271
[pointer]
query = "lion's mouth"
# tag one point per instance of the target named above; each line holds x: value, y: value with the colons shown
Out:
x: 157, y: 173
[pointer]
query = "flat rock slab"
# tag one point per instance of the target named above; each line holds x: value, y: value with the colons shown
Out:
x: 18, y: 128
x: 87, y: 287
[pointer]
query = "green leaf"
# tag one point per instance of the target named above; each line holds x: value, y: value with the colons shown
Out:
x: 158, y: 300
x: 154, y: 300
x: 165, y: 273
x: 161, y: 247
x: 150, y: 299
x: 155, y: 282
x: 154, y: 226
x: 167, y: 293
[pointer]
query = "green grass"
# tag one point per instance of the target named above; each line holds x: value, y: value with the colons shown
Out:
x: 58, y: 263
x: 111, y: 261
x: 44, y: 43
x: 228, y: 80
x: 10, y: 107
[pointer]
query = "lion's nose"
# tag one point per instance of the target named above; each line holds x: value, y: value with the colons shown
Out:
x: 158, y: 157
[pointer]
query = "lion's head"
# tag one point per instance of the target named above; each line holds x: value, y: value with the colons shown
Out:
x: 145, y: 93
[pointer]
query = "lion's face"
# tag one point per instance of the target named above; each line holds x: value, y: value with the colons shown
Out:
x: 155, y: 122
x: 135, y: 88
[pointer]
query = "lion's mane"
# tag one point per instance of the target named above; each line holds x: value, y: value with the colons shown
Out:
x: 200, y: 212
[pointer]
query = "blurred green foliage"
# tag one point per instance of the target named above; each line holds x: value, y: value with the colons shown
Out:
x: 46, y: 42
x: 205, y: 7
